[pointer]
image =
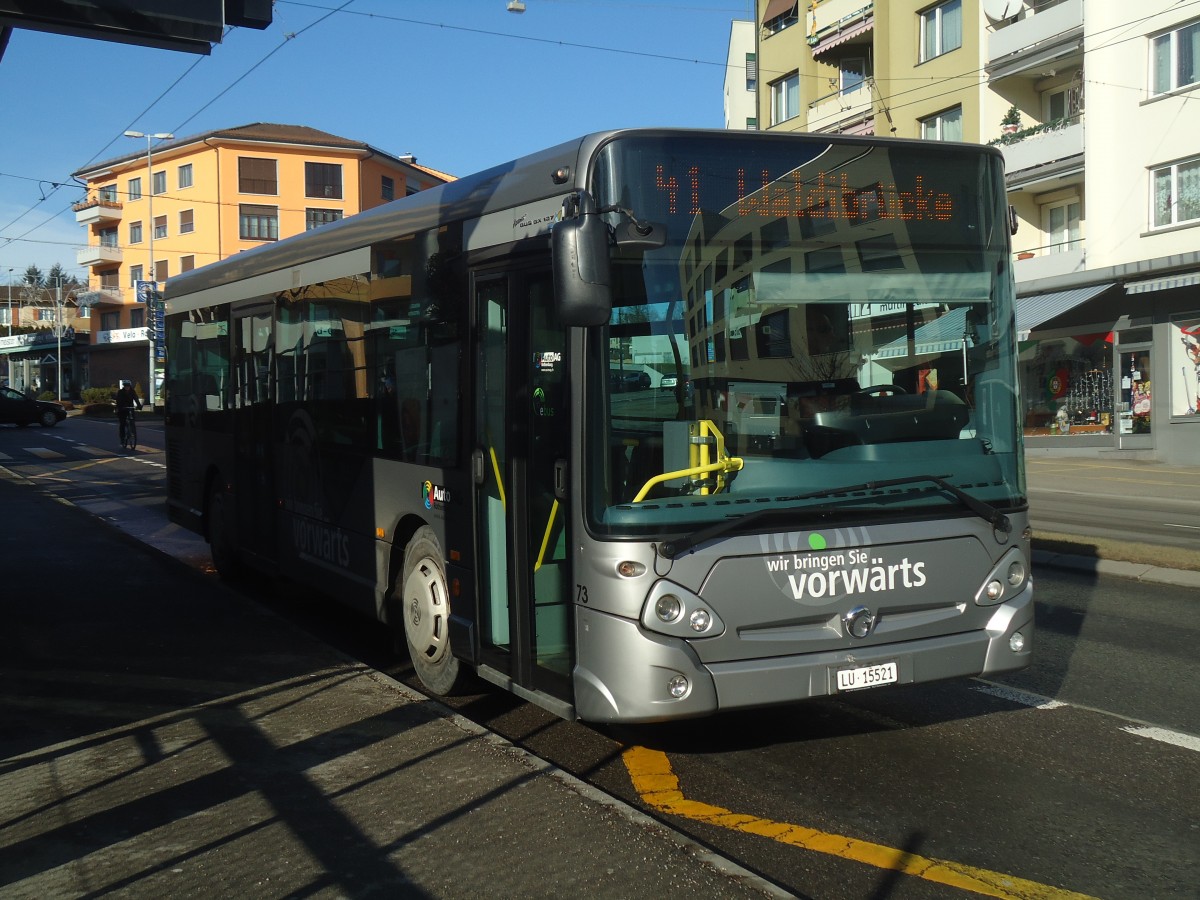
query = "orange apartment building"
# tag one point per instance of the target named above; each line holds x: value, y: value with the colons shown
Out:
x: 166, y: 208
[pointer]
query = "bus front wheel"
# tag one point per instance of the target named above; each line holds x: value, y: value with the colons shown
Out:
x: 423, y: 605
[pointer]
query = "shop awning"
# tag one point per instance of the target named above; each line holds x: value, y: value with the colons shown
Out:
x: 1033, y: 311
x: 777, y: 8
x: 943, y: 335
x: 1166, y: 283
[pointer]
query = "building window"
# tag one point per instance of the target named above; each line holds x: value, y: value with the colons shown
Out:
x: 159, y: 182
x: 257, y: 176
x: 108, y: 193
x: 185, y: 176
x: 47, y: 314
x: 135, y: 232
x: 186, y: 225
x: 187, y: 263
x: 752, y: 123
x: 941, y: 29
x: 135, y: 275
x: 1176, y: 193
x: 258, y: 223
x: 110, y: 321
x: 110, y: 280
x: 1063, y: 224
x: 315, y: 218
x: 1175, y: 59
x: 137, y: 318
x: 751, y: 72
x: 945, y: 126
x: 108, y: 237
x: 160, y: 227
x: 785, y: 98
x: 323, y: 180
x: 135, y: 189
x: 387, y: 189
x: 162, y: 270
x: 778, y: 16
x: 852, y: 72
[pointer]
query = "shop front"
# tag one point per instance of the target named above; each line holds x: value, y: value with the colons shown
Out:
x: 1113, y: 367
x: 39, y: 362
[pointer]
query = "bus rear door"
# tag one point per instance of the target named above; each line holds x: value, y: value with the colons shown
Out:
x: 254, y: 464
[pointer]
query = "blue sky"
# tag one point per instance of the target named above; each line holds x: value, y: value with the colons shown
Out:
x: 462, y: 84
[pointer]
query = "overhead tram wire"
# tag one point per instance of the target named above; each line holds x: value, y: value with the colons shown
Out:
x: 158, y: 99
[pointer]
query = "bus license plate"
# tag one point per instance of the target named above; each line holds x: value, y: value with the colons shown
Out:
x: 866, y: 676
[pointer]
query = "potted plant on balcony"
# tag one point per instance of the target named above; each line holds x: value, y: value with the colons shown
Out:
x: 1011, y: 123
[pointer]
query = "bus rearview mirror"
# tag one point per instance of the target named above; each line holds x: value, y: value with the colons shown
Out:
x: 582, y: 273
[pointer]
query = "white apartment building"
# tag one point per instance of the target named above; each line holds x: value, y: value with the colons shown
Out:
x: 741, y: 78
x: 1096, y: 107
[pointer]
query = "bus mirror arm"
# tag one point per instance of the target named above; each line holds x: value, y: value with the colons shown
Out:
x: 635, y: 234
x: 579, y: 247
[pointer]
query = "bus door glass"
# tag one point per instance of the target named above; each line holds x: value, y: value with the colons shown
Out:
x: 522, y: 422
x: 254, y: 479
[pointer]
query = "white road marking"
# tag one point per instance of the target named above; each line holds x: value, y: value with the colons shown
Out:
x: 1175, y: 738
x: 1012, y: 694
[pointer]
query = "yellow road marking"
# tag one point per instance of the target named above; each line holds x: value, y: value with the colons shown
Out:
x: 658, y: 786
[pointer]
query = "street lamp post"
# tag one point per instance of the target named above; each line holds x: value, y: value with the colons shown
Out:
x: 160, y: 136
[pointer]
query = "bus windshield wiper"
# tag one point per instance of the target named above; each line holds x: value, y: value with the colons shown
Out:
x: 985, y: 511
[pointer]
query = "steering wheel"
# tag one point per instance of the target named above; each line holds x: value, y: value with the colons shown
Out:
x: 881, y: 389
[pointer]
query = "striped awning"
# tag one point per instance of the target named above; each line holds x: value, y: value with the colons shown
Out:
x: 777, y: 8
x: 1166, y: 283
x: 1033, y: 311
x: 826, y: 41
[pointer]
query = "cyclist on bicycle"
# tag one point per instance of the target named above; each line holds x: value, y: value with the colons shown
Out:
x: 127, y: 402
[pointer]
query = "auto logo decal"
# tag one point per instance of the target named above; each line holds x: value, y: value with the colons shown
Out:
x: 859, y: 622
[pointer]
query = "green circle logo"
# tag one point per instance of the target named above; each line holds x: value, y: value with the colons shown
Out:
x: 816, y: 542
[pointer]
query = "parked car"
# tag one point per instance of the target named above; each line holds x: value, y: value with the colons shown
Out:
x: 628, y: 380
x: 671, y: 382
x: 17, y: 409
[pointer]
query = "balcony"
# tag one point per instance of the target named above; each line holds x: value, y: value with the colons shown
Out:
x: 1046, y: 154
x: 1036, y: 38
x: 103, y: 295
x: 841, y: 111
x: 98, y: 255
x: 836, y: 21
x: 1040, y: 262
x: 95, y: 211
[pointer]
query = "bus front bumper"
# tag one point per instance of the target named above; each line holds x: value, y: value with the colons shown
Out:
x: 625, y: 674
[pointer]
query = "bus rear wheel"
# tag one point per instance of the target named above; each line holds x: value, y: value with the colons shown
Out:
x: 221, y: 536
x: 423, y: 606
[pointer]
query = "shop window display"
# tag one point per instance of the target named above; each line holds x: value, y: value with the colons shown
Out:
x: 1185, y: 366
x: 1067, y: 385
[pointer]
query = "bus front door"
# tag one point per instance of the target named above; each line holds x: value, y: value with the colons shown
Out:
x: 254, y: 467
x: 522, y: 427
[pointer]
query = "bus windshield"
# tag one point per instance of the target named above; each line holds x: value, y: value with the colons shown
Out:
x: 821, y: 317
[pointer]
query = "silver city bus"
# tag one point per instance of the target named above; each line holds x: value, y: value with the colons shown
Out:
x: 651, y: 424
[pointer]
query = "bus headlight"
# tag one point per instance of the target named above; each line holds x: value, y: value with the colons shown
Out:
x: 1008, y: 578
x: 668, y: 608
x: 677, y: 686
x: 673, y: 610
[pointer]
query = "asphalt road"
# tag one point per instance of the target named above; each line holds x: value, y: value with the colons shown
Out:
x: 1119, y: 500
x: 1079, y: 776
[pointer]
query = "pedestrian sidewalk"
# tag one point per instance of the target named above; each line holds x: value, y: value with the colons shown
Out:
x: 161, y: 736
